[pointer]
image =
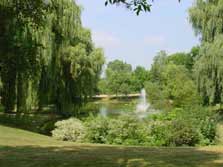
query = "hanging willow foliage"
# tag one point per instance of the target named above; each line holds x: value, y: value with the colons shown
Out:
x: 209, y: 71
x: 50, y: 59
x: 207, y: 20
x: 19, y: 22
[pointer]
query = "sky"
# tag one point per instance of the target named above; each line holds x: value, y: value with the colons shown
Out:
x: 137, y: 39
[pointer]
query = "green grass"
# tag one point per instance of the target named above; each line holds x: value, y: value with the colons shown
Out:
x: 20, y: 148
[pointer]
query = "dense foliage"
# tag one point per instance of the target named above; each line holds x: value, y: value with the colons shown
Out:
x: 191, y: 126
x: 206, y: 18
x: 69, y: 130
x: 172, y: 84
x: 47, y: 57
x: 122, y: 79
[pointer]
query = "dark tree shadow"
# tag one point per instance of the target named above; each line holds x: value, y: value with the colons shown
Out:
x: 106, y: 156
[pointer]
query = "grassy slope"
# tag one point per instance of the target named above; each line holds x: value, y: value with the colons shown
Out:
x: 20, y: 148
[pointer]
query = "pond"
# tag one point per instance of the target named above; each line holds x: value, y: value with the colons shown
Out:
x: 110, y: 108
x: 115, y: 107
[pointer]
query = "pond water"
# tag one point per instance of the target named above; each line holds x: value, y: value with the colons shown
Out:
x: 115, y: 108
x: 110, y: 108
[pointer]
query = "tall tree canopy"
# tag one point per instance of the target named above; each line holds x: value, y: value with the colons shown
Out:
x: 171, y: 83
x: 184, y: 59
x: 121, y: 79
x: 209, y: 71
x: 206, y: 18
x: 47, y: 57
x: 118, y: 76
x: 139, y: 77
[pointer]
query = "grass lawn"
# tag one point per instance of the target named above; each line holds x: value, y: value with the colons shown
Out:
x: 20, y: 148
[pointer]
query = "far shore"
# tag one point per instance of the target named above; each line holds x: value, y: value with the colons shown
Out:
x: 105, y: 96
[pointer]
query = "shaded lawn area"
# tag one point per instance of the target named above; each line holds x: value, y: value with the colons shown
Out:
x: 1, y: 107
x: 20, y: 148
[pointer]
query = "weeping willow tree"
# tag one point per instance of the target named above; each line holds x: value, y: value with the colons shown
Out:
x: 207, y: 20
x: 49, y: 57
x: 75, y: 63
x: 19, y: 22
x: 209, y: 71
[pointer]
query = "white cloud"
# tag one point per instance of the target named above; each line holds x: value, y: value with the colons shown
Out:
x: 105, y: 39
x: 154, y: 40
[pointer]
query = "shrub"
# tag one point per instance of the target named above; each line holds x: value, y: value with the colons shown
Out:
x: 183, y: 126
x: 127, y: 130
x: 97, y: 129
x: 203, y: 120
x: 208, y: 128
x: 159, y: 132
x: 69, y: 130
x: 180, y: 127
x: 183, y: 133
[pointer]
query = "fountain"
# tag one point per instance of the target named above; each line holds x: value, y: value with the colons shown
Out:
x: 103, y: 111
x: 141, y: 110
x: 142, y: 106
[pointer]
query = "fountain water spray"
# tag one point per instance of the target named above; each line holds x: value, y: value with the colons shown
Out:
x: 142, y: 106
x: 103, y: 112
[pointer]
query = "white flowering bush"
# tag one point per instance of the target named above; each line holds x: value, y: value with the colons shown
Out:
x: 69, y: 130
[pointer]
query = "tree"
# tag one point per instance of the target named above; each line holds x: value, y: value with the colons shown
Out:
x: 118, y: 66
x: 206, y: 18
x: 171, y: 83
x: 139, y: 77
x: 160, y: 60
x: 102, y: 86
x: 179, y: 87
x: 194, y: 53
x: 209, y: 71
x: 20, y: 21
x: 118, y: 77
x: 46, y: 56
x: 184, y: 59
x: 156, y: 96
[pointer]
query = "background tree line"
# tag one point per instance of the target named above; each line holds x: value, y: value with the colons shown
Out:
x: 198, y: 72
x: 120, y: 78
x: 170, y: 82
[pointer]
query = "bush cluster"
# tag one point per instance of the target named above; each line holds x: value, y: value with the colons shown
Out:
x: 190, y: 127
x: 69, y: 130
x: 180, y: 127
x: 97, y: 129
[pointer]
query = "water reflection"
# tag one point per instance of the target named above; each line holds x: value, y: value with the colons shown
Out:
x: 109, y: 108
x: 114, y: 108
